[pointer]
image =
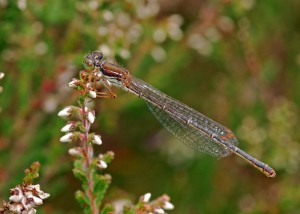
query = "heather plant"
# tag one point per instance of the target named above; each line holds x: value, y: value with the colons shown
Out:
x: 25, y: 198
x: 235, y: 61
x: 88, y: 167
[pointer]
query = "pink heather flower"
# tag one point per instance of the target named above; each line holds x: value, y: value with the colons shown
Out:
x: 97, y: 140
x: 159, y: 210
x: 69, y: 127
x: 146, y: 198
x: 89, y: 85
x: 16, y: 194
x: 119, y: 205
x: 168, y: 206
x: 16, y: 198
x: 102, y: 164
x: 39, y: 192
x: 33, y: 187
x: 66, y: 138
x: 32, y: 211
x: 75, y: 151
x: 15, y: 208
x: 37, y: 201
x: 66, y: 112
x: 43, y: 195
x: 74, y: 83
x: 24, y: 199
x: 91, y: 116
x: 92, y: 94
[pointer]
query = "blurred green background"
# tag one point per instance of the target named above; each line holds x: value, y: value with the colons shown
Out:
x: 238, y: 62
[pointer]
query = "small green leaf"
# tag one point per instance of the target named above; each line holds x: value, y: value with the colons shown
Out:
x: 83, y: 201
x: 107, y: 209
x: 79, y: 171
x: 101, y: 184
x: 128, y: 210
x: 81, y: 100
x: 81, y: 127
x: 108, y: 156
x: 32, y: 173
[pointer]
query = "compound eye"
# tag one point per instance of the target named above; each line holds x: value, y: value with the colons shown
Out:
x: 88, y: 63
x: 98, y: 55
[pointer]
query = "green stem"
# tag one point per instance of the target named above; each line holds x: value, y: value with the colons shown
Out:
x: 88, y: 149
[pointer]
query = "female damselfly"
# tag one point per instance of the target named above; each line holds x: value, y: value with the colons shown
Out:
x: 188, y: 125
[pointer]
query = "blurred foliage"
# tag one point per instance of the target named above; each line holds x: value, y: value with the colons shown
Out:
x: 241, y: 57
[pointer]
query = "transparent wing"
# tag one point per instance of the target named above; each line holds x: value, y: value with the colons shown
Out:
x: 188, y: 134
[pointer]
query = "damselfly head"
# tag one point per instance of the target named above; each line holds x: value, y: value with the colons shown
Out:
x: 93, y: 60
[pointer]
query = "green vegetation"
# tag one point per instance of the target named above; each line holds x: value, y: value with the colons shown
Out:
x: 237, y: 63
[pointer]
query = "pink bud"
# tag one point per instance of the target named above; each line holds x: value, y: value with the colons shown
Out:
x: 97, y: 140
x: 31, y: 211
x: 66, y: 138
x: 91, y: 117
x: 69, y: 127
x: 16, y: 198
x: 76, y: 151
x: 92, y: 94
x: 16, y: 194
x: 102, y: 164
x: 37, y: 201
x: 168, y: 206
x: 74, y: 83
x: 159, y: 211
x: 66, y: 112
x: 15, y: 208
x: 43, y: 195
x: 145, y: 198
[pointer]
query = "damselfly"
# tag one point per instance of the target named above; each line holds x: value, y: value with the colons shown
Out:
x: 188, y: 125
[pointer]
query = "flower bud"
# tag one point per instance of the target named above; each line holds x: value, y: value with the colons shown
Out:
x: 102, y: 164
x: 43, y: 195
x: 69, y: 127
x: 16, y: 194
x: 92, y: 94
x: 66, y: 138
x: 159, y: 211
x: 74, y: 83
x: 76, y: 151
x: 37, y: 201
x: 66, y: 112
x: 146, y: 198
x: 168, y: 206
x: 97, y: 140
x: 91, y: 116
x: 31, y: 211
x: 32, y: 187
x: 15, y: 208
x: 16, y: 198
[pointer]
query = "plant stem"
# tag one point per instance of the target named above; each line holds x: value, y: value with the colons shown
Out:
x: 88, y: 154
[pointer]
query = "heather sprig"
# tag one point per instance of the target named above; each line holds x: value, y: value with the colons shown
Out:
x: 87, y: 166
x: 26, y: 197
x: 157, y: 206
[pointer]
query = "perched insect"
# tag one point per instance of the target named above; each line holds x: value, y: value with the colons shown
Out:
x: 188, y: 125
